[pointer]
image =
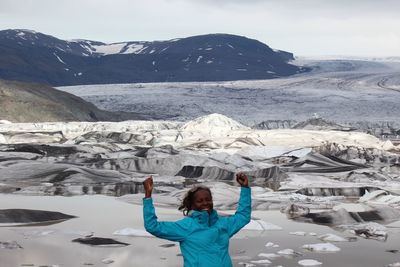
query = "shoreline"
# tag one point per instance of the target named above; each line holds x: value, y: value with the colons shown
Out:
x: 102, y: 215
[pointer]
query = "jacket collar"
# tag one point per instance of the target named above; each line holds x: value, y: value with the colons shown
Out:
x: 203, y: 217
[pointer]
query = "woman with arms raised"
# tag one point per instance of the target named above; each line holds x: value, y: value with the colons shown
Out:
x: 203, y: 235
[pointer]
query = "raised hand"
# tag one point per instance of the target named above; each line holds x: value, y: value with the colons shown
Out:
x: 242, y: 179
x: 148, y: 187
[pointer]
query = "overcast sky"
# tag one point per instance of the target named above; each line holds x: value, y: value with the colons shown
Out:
x: 304, y: 27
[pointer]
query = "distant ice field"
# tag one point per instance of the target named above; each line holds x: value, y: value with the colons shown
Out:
x: 338, y: 90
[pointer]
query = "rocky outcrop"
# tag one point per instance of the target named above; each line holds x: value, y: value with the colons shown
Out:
x: 31, y: 102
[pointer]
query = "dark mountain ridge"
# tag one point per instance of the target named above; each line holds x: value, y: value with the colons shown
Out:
x: 35, y: 57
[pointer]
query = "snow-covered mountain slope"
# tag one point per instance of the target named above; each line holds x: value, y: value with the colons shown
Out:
x: 31, y: 56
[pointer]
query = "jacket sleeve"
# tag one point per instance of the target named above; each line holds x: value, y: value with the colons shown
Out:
x: 243, y: 212
x: 174, y: 231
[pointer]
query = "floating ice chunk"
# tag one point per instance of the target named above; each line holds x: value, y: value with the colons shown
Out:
x: 10, y: 245
x: 287, y: 252
x: 269, y: 244
x: 368, y: 230
x: 262, y: 262
x: 395, y: 264
x: 294, y: 210
x: 100, y: 241
x: 332, y: 238
x: 270, y: 256
x: 298, y: 233
x: 107, y: 261
x: 132, y: 232
x: 322, y: 247
x: 245, y: 264
x: 309, y: 262
x: 260, y: 225
x: 312, y: 234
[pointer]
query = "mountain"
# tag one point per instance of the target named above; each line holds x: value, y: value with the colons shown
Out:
x: 35, y: 57
x: 30, y: 102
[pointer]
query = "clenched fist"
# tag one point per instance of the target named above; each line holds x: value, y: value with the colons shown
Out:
x: 242, y: 179
x: 148, y: 187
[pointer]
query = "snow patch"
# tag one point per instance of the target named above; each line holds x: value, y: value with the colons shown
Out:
x: 59, y: 59
x: 134, y: 49
x: 109, y: 49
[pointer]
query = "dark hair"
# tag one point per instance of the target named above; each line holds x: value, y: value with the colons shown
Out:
x: 187, y: 201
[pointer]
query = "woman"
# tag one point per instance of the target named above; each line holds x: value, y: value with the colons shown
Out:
x: 203, y: 235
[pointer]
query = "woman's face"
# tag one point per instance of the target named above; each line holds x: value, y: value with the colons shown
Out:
x: 202, y: 201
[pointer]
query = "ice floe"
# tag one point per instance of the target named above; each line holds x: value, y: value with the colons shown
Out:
x: 368, y: 230
x: 133, y: 232
x: 332, y: 238
x: 301, y: 233
x: 309, y: 262
x: 321, y: 247
x: 287, y: 252
x: 271, y: 244
x: 270, y: 256
x: 10, y: 245
x: 261, y: 262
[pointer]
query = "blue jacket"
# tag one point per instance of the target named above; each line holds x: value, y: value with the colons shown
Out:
x: 203, y: 237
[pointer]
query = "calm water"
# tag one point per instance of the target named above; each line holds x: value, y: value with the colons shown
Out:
x: 103, y: 215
